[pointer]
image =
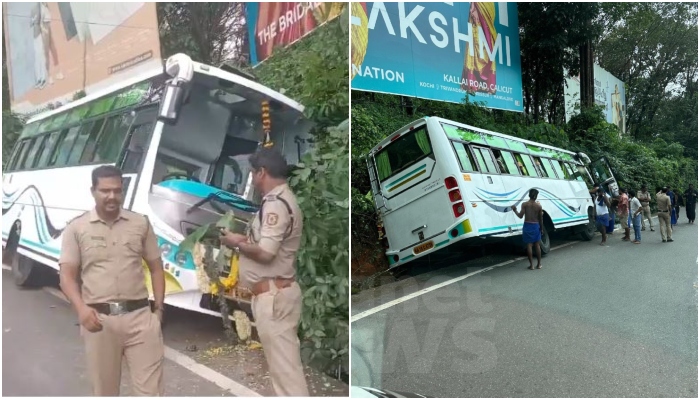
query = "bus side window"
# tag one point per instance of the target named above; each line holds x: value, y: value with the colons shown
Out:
x: 13, y: 157
x: 138, y: 144
x: 483, y: 158
x: 526, y: 166
x: 89, y: 151
x: 500, y: 162
x: 511, y: 165
x: 21, y: 151
x: 60, y: 156
x: 466, y: 160
x: 80, y: 143
x: 540, y: 168
x: 560, y: 171
x: 43, y: 157
x: 34, y: 157
x: 112, y: 139
x: 552, y: 172
x: 575, y: 172
x: 29, y: 154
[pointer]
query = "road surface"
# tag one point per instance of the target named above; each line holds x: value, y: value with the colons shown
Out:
x: 43, y: 352
x: 615, y: 321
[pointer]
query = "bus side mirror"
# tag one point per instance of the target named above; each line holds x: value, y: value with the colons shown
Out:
x: 171, y: 102
x: 181, y: 68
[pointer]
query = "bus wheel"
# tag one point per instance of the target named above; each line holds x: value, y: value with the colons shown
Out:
x: 545, y: 243
x: 589, y: 232
x: 26, y: 272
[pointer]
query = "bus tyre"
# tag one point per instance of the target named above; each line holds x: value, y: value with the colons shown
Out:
x: 545, y: 243
x: 588, y: 233
x: 26, y: 272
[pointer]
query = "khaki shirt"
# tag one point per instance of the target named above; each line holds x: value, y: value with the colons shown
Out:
x: 663, y: 202
x: 279, y: 234
x: 644, y: 198
x: 110, y: 257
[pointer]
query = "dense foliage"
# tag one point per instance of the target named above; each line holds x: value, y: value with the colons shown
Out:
x: 314, y: 72
x: 321, y: 186
x: 12, y: 125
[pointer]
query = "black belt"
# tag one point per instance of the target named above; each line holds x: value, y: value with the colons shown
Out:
x: 120, y: 307
x: 663, y: 211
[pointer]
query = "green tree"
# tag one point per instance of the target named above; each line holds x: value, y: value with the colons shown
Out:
x: 550, y: 34
x: 653, y: 48
x: 12, y: 124
x: 211, y: 33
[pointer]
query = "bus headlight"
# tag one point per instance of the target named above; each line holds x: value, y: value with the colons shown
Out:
x: 165, y: 249
x: 181, y: 258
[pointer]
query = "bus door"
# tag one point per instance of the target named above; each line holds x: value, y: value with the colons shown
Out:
x: 604, y: 176
x: 495, y: 199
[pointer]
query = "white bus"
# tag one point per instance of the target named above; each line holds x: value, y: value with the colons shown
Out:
x: 181, y: 134
x: 437, y: 182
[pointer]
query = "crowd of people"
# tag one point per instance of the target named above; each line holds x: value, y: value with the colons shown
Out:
x: 633, y: 208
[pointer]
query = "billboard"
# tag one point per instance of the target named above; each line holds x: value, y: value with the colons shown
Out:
x: 609, y: 92
x: 439, y: 51
x: 272, y: 25
x: 55, y: 50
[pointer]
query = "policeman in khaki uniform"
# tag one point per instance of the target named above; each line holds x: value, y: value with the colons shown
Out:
x: 663, y: 202
x: 644, y: 197
x: 104, y: 249
x: 268, y: 269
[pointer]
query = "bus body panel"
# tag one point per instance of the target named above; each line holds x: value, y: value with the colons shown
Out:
x: 45, y: 201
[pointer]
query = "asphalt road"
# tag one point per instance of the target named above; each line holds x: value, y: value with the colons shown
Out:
x: 615, y: 321
x: 42, y: 352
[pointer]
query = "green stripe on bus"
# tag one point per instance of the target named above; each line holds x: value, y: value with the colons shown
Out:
x: 405, y: 176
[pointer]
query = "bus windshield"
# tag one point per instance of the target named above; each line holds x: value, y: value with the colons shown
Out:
x: 403, y: 152
x: 203, y: 156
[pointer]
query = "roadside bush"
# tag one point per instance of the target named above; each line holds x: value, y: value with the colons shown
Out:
x: 321, y: 186
x: 314, y: 72
x: 12, y: 125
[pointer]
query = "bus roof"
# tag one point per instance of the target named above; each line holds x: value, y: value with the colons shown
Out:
x: 199, y: 68
x: 424, y: 120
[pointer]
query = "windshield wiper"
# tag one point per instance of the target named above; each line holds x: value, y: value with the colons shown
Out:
x: 226, y: 198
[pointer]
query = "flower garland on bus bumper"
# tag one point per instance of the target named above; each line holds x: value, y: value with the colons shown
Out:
x: 204, y: 282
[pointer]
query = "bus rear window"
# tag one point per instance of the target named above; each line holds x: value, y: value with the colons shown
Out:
x: 402, y: 153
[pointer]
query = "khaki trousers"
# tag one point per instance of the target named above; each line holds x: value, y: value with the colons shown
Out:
x: 277, y: 314
x: 135, y: 336
x: 665, y: 225
x: 646, y: 213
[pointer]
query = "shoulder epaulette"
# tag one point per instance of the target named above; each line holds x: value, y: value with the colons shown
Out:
x: 76, y: 217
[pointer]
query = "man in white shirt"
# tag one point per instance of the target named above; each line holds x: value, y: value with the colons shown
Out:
x: 602, y: 217
x: 636, y: 213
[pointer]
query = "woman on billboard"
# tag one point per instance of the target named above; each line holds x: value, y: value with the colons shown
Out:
x: 479, y: 73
